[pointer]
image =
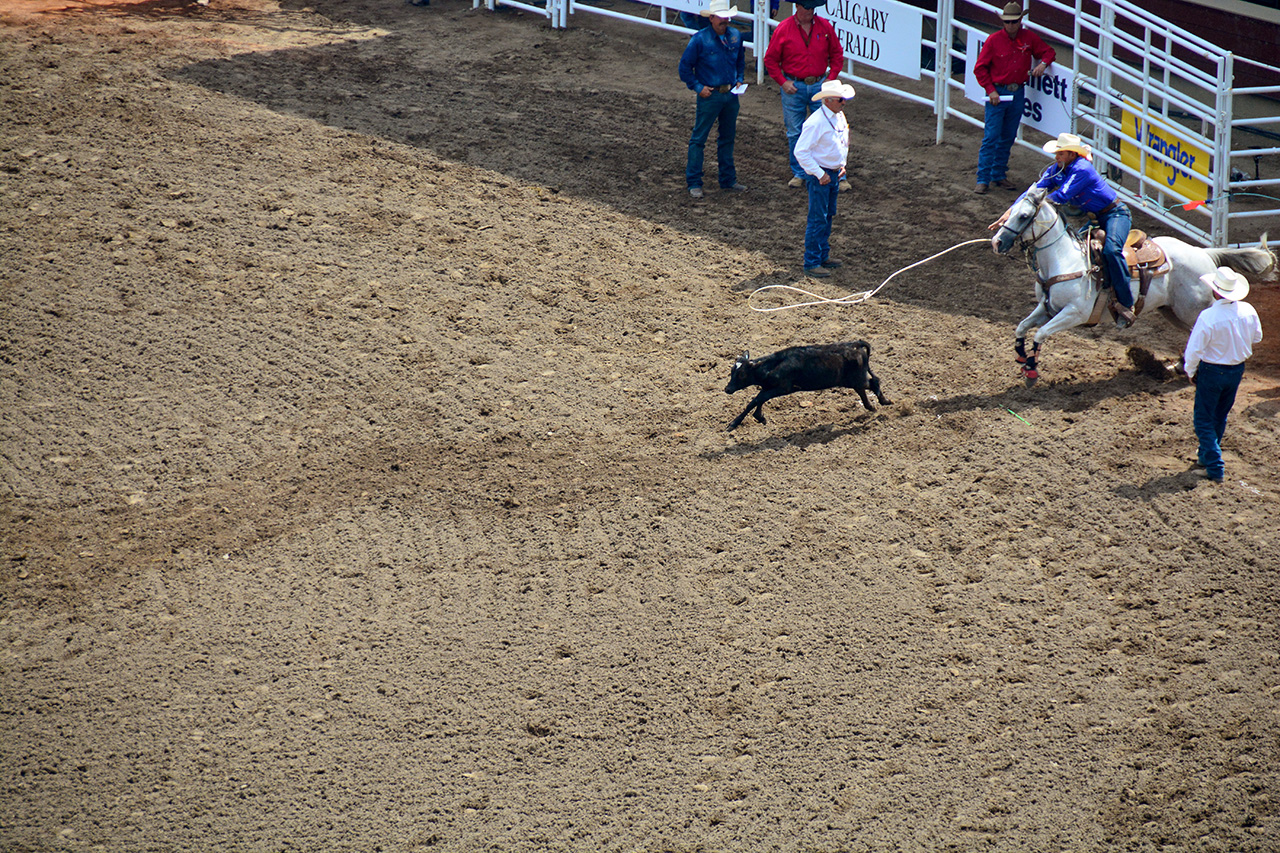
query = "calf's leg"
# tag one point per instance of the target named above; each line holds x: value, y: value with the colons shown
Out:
x: 756, y: 402
x: 873, y: 382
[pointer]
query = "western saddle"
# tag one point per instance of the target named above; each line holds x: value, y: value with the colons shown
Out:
x: 1145, y: 260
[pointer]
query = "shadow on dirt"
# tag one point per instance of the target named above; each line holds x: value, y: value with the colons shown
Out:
x: 553, y: 108
x: 1061, y: 396
x: 1183, y: 481
x: 817, y: 435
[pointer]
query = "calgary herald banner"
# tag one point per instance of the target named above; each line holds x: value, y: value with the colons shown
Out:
x: 881, y: 33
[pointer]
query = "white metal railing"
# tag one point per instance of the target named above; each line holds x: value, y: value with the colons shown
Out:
x: 755, y: 18
x: 1192, y: 103
x: 553, y: 10
x: 1125, y: 61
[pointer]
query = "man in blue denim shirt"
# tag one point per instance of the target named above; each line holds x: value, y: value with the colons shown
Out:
x: 714, y: 63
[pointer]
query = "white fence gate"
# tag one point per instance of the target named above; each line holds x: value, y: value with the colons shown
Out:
x: 1158, y: 103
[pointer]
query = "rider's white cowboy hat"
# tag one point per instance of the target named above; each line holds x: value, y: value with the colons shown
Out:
x: 719, y: 8
x: 834, y: 89
x: 1012, y: 12
x: 1227, y: 283
x: 1067, y: 142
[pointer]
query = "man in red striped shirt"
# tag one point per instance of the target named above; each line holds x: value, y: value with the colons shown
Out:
x: 1002, y: 68
x: 804, y: 52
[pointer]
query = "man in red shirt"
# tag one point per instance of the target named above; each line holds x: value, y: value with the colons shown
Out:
x: 1002, y: 69
x: 804, y: 52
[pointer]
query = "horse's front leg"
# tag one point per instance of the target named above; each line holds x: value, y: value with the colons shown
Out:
x: 1035, y: 318
x: 1068, y: 318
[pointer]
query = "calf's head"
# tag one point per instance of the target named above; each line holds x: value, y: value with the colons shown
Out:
x: 738, y: 377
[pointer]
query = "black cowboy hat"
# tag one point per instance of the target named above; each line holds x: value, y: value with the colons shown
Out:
x: 811, y: 4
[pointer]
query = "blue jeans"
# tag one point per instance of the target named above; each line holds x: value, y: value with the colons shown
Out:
x: 999, y: 127
x: 1215, y: 395
x: 722, y: 108
x: 1117, y: 222
x: 822, y: 210
x: 795, y: 109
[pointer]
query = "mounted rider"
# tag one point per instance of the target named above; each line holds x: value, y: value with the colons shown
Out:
x: 1071, y: 180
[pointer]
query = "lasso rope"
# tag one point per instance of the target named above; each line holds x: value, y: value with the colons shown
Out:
x: 852, y: 298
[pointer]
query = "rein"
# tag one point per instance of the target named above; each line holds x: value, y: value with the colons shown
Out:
x: 1031, y: 243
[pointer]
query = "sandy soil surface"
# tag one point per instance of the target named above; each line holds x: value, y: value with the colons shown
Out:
x: 365, y: 482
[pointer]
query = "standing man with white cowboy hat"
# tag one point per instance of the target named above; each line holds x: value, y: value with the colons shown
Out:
x: 823, y: 152
x: 1072, y: 180
x: 713, y: 63
x: 1002, y: 69
x: 804, y: 52
x: 1221, y: 341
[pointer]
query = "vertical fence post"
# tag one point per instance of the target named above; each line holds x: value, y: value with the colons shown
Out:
x: 941, y: 61
x: 1220, y: 209
x: 1076, y: 75
x: 761, y: 37
x: 1106, y: 56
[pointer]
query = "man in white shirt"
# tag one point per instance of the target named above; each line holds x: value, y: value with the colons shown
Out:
x: 823, y: 152
x: 1221, y: 340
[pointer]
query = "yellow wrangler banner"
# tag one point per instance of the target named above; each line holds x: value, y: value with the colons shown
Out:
x: 1190, y: 179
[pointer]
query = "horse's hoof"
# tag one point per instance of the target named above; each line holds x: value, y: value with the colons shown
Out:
x: 1030, y: 376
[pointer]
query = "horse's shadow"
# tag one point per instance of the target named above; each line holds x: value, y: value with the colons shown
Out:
x: 1062, y: 395
x: 1268, y: 409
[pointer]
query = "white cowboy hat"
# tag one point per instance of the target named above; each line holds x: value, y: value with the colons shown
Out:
x: 719, y: 8
x: 1012, y: 12
x: 1227, y: 283
x: 1068, y: 142
x: 834, y: 89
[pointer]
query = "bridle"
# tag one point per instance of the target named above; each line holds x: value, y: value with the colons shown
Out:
x: 1029, y: 244
x: 1031, y: 251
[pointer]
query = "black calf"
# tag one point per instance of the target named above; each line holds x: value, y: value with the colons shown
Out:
x: 811, y: 368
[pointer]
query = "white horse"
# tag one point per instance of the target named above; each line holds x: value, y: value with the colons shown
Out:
x: 1066, y: 294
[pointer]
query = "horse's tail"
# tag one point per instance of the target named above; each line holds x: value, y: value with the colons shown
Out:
x: 1254, y: 261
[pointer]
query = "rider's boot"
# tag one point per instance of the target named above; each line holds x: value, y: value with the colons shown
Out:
x: 1126, y: 317
x: 1124, y: 314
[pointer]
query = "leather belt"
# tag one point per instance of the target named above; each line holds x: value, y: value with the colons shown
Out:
x: 1108, y: 208
x: 726, y: 88
x: 808, y: 81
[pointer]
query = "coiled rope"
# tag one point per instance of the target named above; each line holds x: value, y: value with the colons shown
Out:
x: 852, y: 298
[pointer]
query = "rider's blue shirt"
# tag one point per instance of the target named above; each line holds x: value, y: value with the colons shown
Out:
x: 1077, y: 185
x: 712, y: 60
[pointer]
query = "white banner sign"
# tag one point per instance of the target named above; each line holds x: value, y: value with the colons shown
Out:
x: 692, y: 6
x: 1048, y: 106
x: 881, y: 33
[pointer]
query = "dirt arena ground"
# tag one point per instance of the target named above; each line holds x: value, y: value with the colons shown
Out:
x: 365, y: 481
